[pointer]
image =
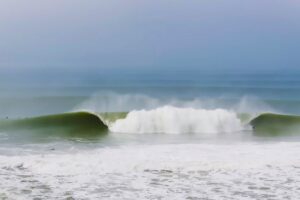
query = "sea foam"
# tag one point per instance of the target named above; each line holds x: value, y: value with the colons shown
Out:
x: 175, y: 120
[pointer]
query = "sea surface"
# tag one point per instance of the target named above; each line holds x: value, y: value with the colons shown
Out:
x: 152, y: 136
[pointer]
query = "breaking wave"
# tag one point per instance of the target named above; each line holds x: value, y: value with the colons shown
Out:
x: 166, y: 119
x: 174, y: 120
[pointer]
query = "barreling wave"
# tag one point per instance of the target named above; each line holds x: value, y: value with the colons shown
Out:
x: 276, y: 124
x: 165, y: 119
x: 79, y: 124
x: 174, y: 120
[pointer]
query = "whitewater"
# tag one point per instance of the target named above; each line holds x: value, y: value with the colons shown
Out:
x: 175, y: 120
x: 168, y: 171
x: 137, y: 146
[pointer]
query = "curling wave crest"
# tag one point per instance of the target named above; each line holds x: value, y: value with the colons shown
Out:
x: 175, y: 120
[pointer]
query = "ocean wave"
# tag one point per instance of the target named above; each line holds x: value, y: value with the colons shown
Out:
x: 174, y: 120
x: 164, y: 120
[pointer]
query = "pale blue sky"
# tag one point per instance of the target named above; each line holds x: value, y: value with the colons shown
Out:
x: 76, y: 37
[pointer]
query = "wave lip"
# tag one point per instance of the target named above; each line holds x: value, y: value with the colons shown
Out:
x: 78, y: 124
x: 175, y: 120
x: 276, y: 124
x: 166, y: 119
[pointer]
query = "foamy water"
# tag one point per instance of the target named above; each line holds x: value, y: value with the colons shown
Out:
x: 179, y: 171
x: 169, y: 119
x: 173, y: 150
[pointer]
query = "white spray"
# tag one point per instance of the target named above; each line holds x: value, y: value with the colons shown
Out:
x: 174, y: 120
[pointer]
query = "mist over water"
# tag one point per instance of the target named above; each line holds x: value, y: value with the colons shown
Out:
x: 149, y: 100
x: 258, y: 92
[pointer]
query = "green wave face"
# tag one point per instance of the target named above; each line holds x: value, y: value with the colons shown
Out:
x: 79, y: 124
x: 89, y: 126
x: 276, y: 124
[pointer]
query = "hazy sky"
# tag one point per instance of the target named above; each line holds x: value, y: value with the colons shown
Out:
x: 89, y: 36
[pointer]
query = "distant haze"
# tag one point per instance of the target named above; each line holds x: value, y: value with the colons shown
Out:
x: 63, y: 39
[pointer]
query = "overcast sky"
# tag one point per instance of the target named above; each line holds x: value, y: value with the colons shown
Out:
x: 75, y: 36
